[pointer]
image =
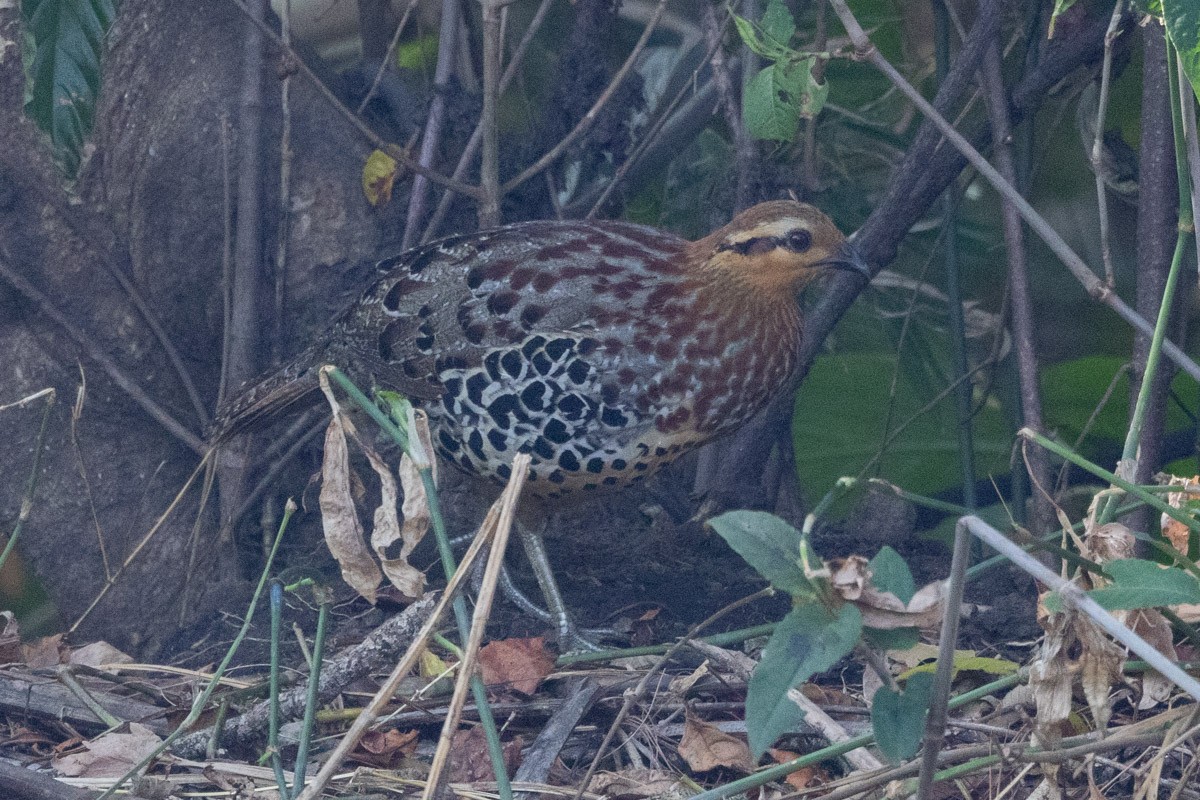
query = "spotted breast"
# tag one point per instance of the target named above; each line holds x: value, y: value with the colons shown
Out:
x: 602, y: 349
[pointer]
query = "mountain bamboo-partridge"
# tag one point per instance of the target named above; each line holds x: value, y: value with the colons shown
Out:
x: 602, y: 349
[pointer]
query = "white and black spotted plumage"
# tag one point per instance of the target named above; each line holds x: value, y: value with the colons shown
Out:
x: 603, y: 349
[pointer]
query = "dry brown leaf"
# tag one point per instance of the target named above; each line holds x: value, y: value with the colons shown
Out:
x: 1151, y: 625
x: 636, y: 784
x: 99, y: 654
x: 1175, y: 531
x: 10, y: 640
x: 469, y: 761
x: 416, y: 505
x: 704, y: 746
x: 518, y: 664
x: 804, y: 778
x: 339, y: 517
x: 851, y: 578
x: 385, y: 749
x: 110, y: 755
x: 1110, y: 542
x: 49, y: 651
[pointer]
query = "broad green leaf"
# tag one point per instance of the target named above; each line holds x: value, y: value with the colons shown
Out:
x: 810, y: 639
x: 899, y: 718
x: 768, y: 544
x: 778, y: 26
x: 777, y: 97
x: 892, y: 639
x: 1151, y: 7
x: 841, y: 413
x: 63, y: 76
x: 1072, y: 390
x: 1140, y: 584
x: 767, y: 107
x: 890, y: 573
x: 1182, y: 18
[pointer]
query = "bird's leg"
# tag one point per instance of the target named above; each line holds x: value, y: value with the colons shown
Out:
x: 570, y: 636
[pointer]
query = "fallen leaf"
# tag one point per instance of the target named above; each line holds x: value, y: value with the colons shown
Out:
x: 803, y: 778
x: 98, y: 654
x: 385, y: 749
x: 518, y: 664
x: 636, y: 784
x: 469, y: 761
x: 704, y: 746
x: 1188, y: 497
x: 110, y: 755
x: 48, y: 651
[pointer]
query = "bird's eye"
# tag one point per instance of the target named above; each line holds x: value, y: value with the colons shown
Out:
x: 799, y: 240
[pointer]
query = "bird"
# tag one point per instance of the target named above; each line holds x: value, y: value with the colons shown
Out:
x: 603, y: 349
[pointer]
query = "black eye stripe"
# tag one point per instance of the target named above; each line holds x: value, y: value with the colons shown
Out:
x: 795, y: 241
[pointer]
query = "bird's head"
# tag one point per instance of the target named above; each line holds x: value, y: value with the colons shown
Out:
x: 775, y: 247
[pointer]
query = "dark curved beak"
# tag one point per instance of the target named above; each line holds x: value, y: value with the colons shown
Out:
x: 848, y: 258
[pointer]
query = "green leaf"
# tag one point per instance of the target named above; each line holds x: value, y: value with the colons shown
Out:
x: 768, y: 544
x: 892, y: 638
x: 63, y: 76
x: 808, y: 640
x: 899, y: 718
x: 767, y: 107
x: 890, y: 573
x: 1182, y: 18
x: 1140, y: 584
x: 777, y: 97
x: 770, y: 38
x: 778, y: 26
x: 841, y: 413
x: 1151, y: 7
x: 1060, y: 8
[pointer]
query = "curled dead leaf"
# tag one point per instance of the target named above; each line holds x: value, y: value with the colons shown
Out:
x: 704, y: 746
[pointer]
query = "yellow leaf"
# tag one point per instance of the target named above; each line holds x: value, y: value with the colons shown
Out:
x: 379, y: 173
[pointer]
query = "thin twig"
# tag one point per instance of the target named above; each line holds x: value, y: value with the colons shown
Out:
x: 1097, y: 154
x: 586, y: 122
x: 285, y: 186
x: 1021, y: 307
x: 448, y: 40
x: 387, y: 57
x: 468, y: 153
x: 489, y: 163
x: 1091, y: 284
x: 935, y: 723
x: 89, y: 345
x: 371, y: 136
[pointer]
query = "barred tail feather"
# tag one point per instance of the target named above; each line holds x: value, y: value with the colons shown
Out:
x: 293, y: 387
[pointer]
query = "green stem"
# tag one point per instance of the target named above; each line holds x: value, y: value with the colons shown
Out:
x: 1139, y: 492
x: 459, y: 605
x: 201, y: 701
x: 276, y: 599
x: 313, y: 699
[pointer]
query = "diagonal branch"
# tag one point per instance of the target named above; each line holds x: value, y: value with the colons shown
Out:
x: 87, y: 343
